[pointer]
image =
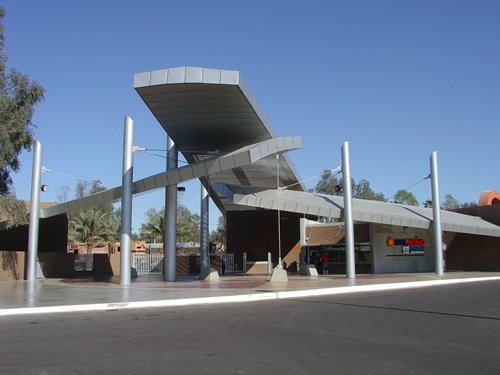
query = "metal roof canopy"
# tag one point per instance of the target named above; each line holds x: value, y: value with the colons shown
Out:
x: 239, y: 158
x: 206, y: 111
x: 363, y: 210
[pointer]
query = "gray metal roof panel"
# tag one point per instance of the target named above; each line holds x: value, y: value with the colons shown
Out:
x: 234, y: 159
x: 363, y: 210
x: 211, y: 109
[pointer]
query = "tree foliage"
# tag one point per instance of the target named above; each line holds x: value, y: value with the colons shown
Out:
x: 101, y: 223
x: 427, y: 203
x: 362, y: 190
x: 450, y: 202
x: 188, y: 225
x: 327, y: 184
x: 218, y: 236
x: 91, y: 226
x: 13, y: 211
x: 330, y: 184
x: 18, y: 98
x: 405, y: 197
x: 154, y: 227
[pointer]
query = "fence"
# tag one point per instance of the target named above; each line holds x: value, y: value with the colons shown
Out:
x: 148, y: 263
x: 83, y: 262
x: 230, y: 266
x: 153, y: 263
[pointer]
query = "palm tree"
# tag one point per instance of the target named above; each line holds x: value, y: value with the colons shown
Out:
x: 152, y: 230
x: 90, y: 226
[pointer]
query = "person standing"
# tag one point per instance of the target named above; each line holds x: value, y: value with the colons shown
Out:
x: 223, y: 265
x: 324, y: 261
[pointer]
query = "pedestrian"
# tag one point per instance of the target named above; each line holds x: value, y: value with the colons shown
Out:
x: 223, y: 265
x: 325, y: 260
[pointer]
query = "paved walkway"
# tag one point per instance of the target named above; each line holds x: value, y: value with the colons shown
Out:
x: 67, y: 295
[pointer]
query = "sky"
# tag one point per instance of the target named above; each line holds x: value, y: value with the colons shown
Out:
x: 397, y: 79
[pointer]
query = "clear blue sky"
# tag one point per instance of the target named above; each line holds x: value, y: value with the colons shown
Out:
x: 397, y: 79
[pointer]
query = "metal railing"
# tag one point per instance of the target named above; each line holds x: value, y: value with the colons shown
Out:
x: 83, y: 262
x: 148, y: 263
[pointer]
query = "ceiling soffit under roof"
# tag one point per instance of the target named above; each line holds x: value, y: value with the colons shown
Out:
x: 206, y: 111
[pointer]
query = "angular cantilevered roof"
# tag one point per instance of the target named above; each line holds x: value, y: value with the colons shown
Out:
x: 212, y: 110
x: 243, y: 157
x: 363, y: 210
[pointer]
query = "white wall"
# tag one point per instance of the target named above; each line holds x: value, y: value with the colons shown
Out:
x: 383, y: 262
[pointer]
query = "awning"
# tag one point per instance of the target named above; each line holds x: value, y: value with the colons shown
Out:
x: 363, y: 210
x: 208, y: 110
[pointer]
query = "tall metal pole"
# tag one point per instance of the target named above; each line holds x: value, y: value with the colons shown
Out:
x: 170, y: 241
x: 436, y: 213
x: 34, y: 212
x: 349, y: 227
x: 204, y: 259
x: 279, y: 213
x: 126, y: 214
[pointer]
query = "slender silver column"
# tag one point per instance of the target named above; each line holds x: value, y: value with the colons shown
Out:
x: 280, y: 264
x: 126, y: 214
x: 204, y: 258
x: 349, y: 227
x: 36, y: 177
x: 170, y: 241
x: 436, y: 213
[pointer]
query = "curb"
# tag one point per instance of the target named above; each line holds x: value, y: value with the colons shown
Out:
x: 253, y: 297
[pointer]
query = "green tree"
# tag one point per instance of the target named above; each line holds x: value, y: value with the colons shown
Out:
x: 405, y: 197
x: 18, y: 98
x: 91, y: 226
x: 103, y: 220
x: 154, y: 227
x: 427, y: 203
x: 450, y: 202
x: 362, y: 190
x: 218, y: 236
x: 13, y: 211
x: 327, y: 183
x: 468, y: 204
x: 188, y: 225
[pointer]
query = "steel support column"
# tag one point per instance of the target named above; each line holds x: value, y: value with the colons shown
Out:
x: 126, y: 207
x: 436, y: 214
x: 349, y: 227
x: 36, y: 177
x: 204, y: 222
x: 170, y: 240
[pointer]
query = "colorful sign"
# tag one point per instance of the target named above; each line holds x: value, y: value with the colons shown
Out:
x: 409, y: 246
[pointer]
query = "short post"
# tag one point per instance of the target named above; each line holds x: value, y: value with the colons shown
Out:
x: 348, y: 221
x: 436, y: 214
x: 244, y: 262
x: 269, y: 264
x: 34, y: 213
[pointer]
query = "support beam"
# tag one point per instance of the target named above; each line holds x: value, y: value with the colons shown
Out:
x: 349, y: 227
x: 170, y: 241
x: 126, y: 213
x: 34, y: 212
x: 204, y: 218
x: 436, y: 216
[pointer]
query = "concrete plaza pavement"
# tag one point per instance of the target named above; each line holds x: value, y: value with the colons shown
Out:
x: 87, y: 294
